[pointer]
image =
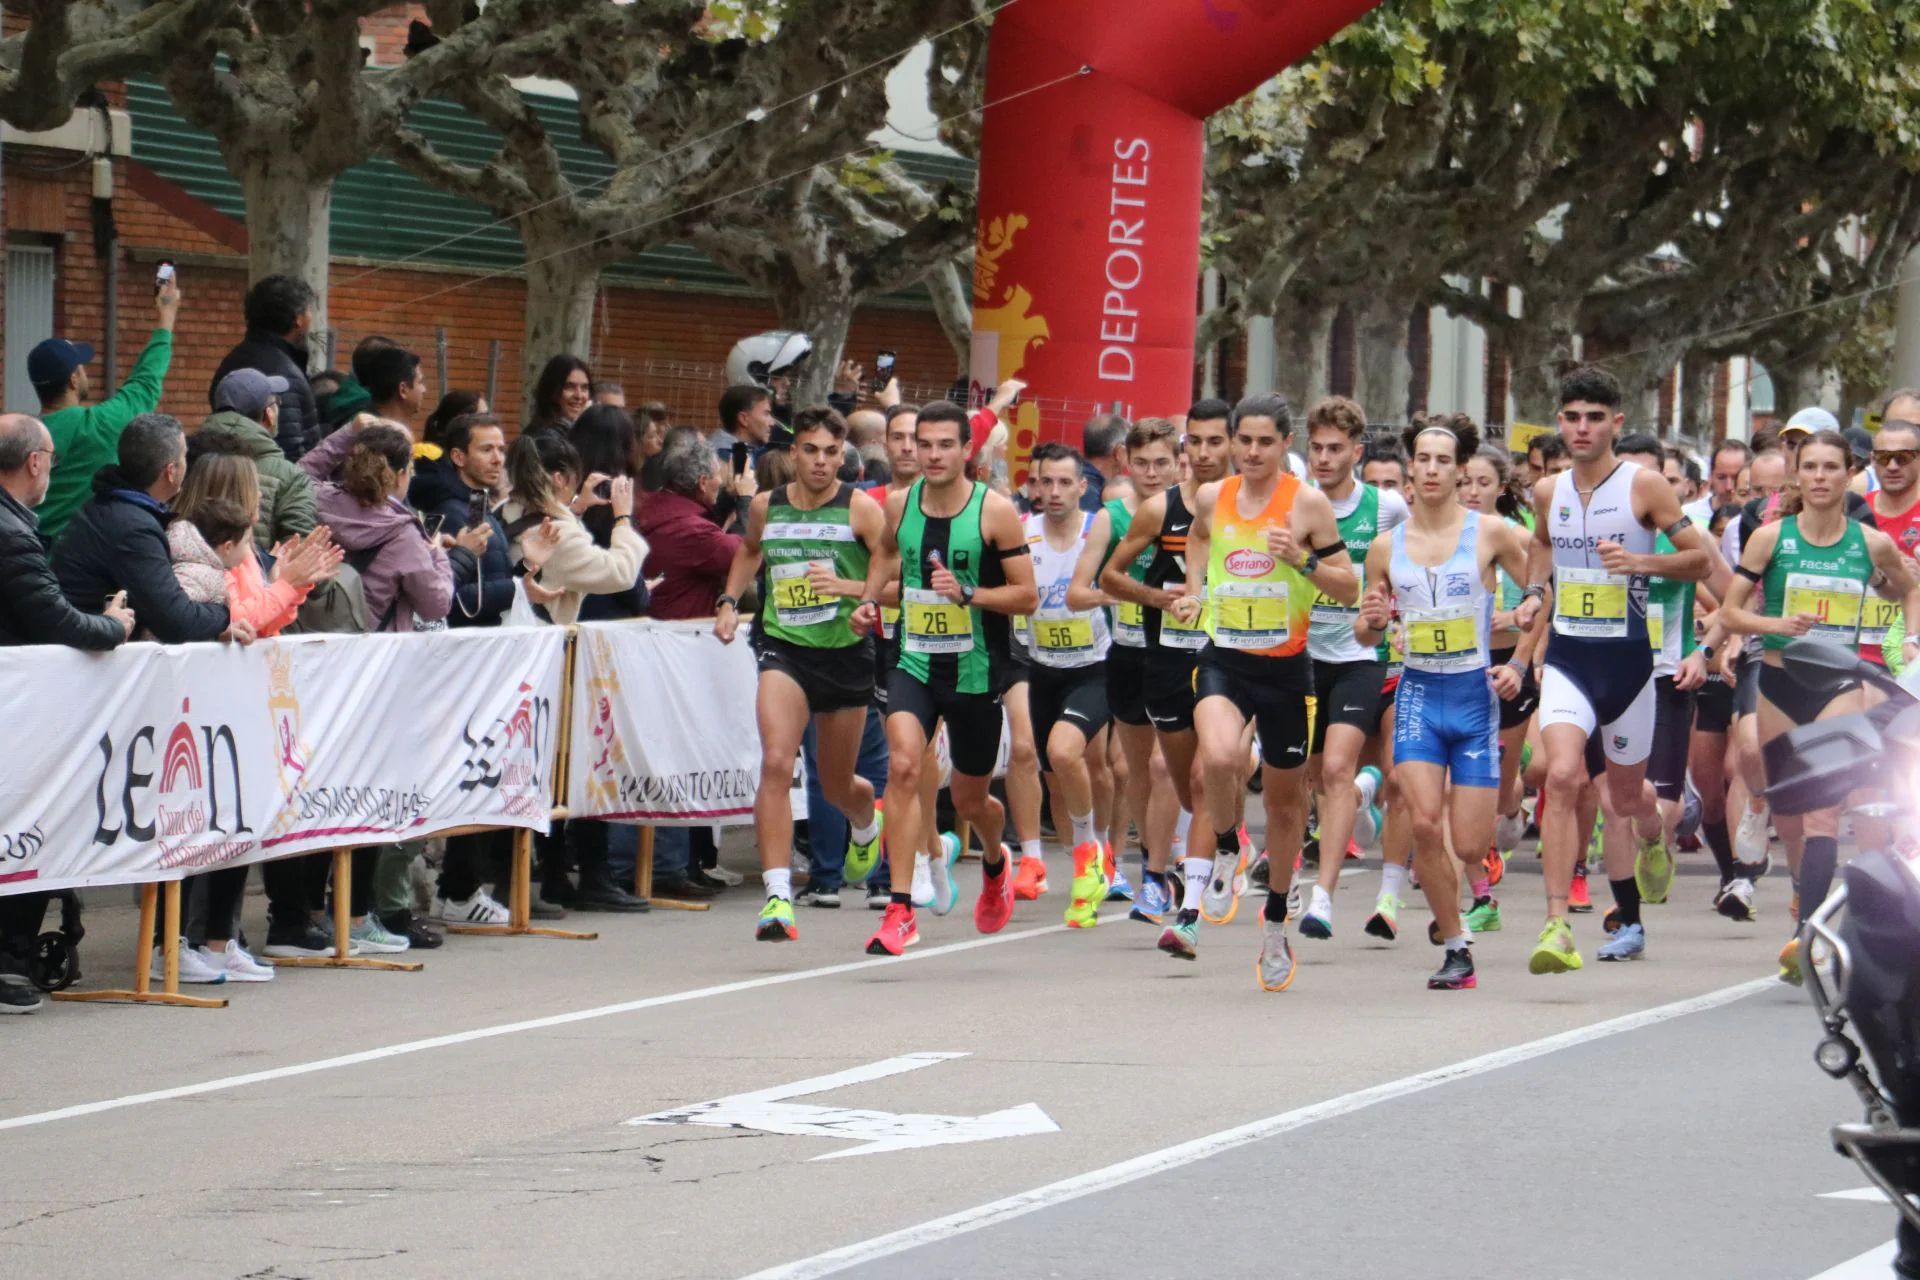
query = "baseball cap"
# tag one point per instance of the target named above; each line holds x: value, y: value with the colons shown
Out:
x: 1859, y: 443
x: 1811, y: 419
x: 246, y: 392
x: 52, y: 362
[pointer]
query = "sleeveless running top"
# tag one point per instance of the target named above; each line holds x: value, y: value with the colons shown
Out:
x: 1168, y: 571
x: 1129, y: 618
x: 1330, y: 634
x: 794, y: 539
x: 1828, y: 582
x: 1882, y: 617
x: 1259, y: 605
x: 1669, y: 616
x: 1446, y: 609
x: 944, y: 643
x: 1059, y: 636
x: 1591, y: 605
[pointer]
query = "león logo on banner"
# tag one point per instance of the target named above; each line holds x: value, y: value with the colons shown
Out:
x: 1003, y: 335
x: 609, y: 755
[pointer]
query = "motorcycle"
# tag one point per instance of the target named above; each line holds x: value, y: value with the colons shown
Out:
x: 1861, y: 947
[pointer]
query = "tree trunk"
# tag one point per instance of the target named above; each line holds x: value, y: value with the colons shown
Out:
x: 1302, y: 338
x: 1542, y: 348
x: 1384, y: 374
x: 952, y: 291
x: 561, y: 289
x: 1697, y: 374
x: 1796, y: 385
x: 824, y: 315
x: 288, y: 215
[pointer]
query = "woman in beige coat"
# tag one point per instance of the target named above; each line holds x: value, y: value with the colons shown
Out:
x: 541, y: 516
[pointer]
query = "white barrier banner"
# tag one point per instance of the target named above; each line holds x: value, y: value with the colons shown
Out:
x: 663, y: 727
x: 154, y: 762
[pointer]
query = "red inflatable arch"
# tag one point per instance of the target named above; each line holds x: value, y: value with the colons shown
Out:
x: 1086, y: 283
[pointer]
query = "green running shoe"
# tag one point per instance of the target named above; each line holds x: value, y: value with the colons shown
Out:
x: 1653, y: 870
x: 776, y: 921
x: 1555, y: 952
x: 1181, y: 939
x: 1484, y: 917
x: 861, y: 858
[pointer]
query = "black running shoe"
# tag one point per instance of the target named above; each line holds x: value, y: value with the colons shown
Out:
x: 1455, y: 972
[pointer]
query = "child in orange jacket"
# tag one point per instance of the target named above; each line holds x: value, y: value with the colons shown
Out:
x: 214, y: 560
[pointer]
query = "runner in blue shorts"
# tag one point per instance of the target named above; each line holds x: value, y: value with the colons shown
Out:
x: 1438, y: 571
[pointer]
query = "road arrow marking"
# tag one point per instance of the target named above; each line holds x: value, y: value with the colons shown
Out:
x: 767, y: 1110
x: 1874, y: 1264
x: 1872, y: 1194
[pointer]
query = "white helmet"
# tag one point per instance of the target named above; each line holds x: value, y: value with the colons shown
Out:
x: 759, y: 358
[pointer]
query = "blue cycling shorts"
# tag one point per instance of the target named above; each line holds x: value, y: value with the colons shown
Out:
x: 1451, y: 719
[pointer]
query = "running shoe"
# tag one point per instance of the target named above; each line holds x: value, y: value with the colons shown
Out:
x: 1689, y: 813
x: 1629, y: 942
x: 197, y: 965
x: 1153, y: 901
x: 1496, y: 866
x: 1119, y: 888
x: 1275, y: 968
x: 861, y: 858
x: 1751, y: 844
x: 1181, y: 939
x: 1296, y: 905
x: 1455, y: 972
x: 1578, y: 899
x: 1555, y: 952
x: 1317, y: 921
x: 1510, y: 831
x: 234, y: 961
x: 776, y: 921
x: 1484, y: 916
x: 922, y: 888
x: 1653, y: 870
x: 1610, y: 921
x: 880, y: 895
x: 1030, y: 879
x: 1089, y: 887
x: 813, y: 897
x: 1261, y: 872
x: 1735, y: 899
x: 896, y: 933
x: 1366, y: 819
x: 370, y: 935
x: 1385, y: 920
x: 946, y: 890
x: 1220, y: 900
x: 1790, y: 963
x: 1353, y: 851
x: 994, y: 907
x: 479, y: 909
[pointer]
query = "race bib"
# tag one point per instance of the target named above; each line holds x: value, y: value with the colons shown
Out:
x: 1250, y: 615
x: 1835, y: 602
x: 1328, y: 611
x: 1877, y: 617
x: 1176, y: 635
x: 1130, y: 624
x: 889, y: 621
x: 935, y: 624
x: 1062, y: 635
x: 795, y: 603
x: 1590, y: 603
x: 1657, y: 629
x: 1442, y: 639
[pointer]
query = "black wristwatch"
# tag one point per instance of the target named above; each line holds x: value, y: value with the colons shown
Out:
x: 1310, y: 563
x: 966, y: 594
x: 727, y: 602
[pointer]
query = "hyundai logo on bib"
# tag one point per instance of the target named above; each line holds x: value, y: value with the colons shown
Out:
x: 1249, y: 564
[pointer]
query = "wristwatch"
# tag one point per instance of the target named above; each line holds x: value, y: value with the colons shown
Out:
x: 966, y: 593
x: 726, y: 602
x: 1310, y: 563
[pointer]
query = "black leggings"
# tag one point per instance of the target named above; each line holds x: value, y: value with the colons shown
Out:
x: 472, y: 860
x: 213, y: 904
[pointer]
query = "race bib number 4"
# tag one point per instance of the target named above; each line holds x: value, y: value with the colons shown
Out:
x: 1250, y: 615
x: 1590, y: 603
x: 795, y: 603
x: 1833, y: 602
x: 1442, y: 639
x: 935, y: 624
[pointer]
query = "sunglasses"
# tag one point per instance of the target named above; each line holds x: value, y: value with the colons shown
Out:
x: 1895, y: 457
x: 1594, y: 416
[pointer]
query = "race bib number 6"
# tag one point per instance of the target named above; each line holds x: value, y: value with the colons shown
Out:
x: 1590, y: 603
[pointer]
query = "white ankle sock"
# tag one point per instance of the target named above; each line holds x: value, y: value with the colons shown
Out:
x: 1199, y: 871
x: 779, y: 883
x: 863, y: 835
x: 1031, y: 849
x: 1393, y: 879
x: 1082, y: 828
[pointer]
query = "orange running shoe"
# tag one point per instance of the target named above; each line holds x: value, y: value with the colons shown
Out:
x: 994, y: 907
x: 1030, y: 881
x: 1109, y: 864
x: 1353, y: 851
x: 1496, y: 867
x: 1577, y: 898
x: 896, y: 933
x: 1089, y: 886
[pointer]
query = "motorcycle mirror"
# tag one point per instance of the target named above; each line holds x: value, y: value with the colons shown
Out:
x: 1823, y: 665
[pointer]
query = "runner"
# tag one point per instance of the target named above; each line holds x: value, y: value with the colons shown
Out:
x: 1068, y: 689
x: 1593, y: 543
x: 1813, y: 569
x: 959, y: 556
x: 1160, y: 529
x: 1261, y: 545
x: 1349, y: 678
x: 815, y: 537
x: 1440, y: 569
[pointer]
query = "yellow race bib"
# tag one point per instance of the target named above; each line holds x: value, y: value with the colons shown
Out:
x: 889, y: 620
x: 795, y: 602
x: 1590, y: 603
x: 1657, y: 629
x: 935, y: 624
x: 1442, y: 639
x: 1250, y: 615
x: 1063, y: 635
x: 1176, y: 635
x: 1835, y: 602
x: 1130, y: 624
x: 1877, y: 617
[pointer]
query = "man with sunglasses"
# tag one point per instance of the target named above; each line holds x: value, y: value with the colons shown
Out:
x: 1896, y: 509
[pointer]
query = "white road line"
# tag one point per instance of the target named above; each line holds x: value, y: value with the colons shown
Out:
x: 1214, y: 1144
x: 1874, y: 1264
x: 507, y: 1029
x: 1873, y: 1195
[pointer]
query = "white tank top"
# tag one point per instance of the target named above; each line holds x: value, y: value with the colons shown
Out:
x: 1447, y: 609
x: 1058, y: 636
x: 1589, y: 602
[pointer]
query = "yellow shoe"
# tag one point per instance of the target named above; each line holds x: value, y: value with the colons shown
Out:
x: 1555, y: 952
x: 1790, y: 963
x: 1089, y: 887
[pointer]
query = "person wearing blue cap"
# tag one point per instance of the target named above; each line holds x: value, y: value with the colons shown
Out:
x: 87, y: 437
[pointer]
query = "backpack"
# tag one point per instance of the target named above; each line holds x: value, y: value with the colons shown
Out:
x: 336, y: 605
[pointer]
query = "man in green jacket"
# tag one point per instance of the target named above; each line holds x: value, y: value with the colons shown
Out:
x: 86, y: 438
x: 248, y: 404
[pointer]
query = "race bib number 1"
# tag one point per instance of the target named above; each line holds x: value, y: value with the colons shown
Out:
x: 1251, y: 615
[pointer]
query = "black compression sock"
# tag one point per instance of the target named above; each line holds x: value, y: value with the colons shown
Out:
x: 1626, y: 899
x: 1276, y: 910
x: 1187, y: 915
x: 993, y: 863
x: 1227, y: 842
x: 1721, y: 843
x: 1816, y: 873
x: 903, y: 899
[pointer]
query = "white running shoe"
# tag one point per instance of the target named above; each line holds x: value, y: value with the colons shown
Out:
x: 196, y: 966
x: 236, y: 963
x: 731, y: 879
x: 372, y: 936
x: 1509, y: 832
x: 923, y: 895
x: 1750, y: 838
x: 479, y: 909
x: 1735, y: 901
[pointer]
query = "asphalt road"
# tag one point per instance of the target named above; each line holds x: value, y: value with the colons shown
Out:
x: 468, y: 1120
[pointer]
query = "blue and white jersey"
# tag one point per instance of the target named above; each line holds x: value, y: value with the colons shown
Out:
x: 1590, y: 604
x: 1057, y: 636
x: 1447, y: 609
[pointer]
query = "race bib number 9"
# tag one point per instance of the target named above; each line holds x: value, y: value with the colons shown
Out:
x: 1591, y: 603
x: 1250, y: 615
x: 795, y: 603
x: 935, y: 624
x: 1130, y: 624
x: 1833, y: 602
x: 1442, y: 639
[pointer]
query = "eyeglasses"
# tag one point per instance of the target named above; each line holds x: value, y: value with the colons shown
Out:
x: 1594, y: 416
x: 53, y: 457
x: 1895, y: 457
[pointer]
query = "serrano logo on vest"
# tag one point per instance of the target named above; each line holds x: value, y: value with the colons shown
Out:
x: 1249, y: 564
x: 198, y: 815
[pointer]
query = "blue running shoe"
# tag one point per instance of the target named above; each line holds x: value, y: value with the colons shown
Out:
x: 1119, y: 889
x: 1629, y: 942
x: 1153, y: 902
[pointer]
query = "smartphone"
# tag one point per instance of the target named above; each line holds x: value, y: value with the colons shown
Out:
x: 603, y: 490
x: 476, y: 509
x: 882, y: 370
x: 739, y: 458
x: 162, y: 277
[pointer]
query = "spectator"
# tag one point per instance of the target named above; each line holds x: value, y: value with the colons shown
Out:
x: 651, y: 423
x: 84, y: 439
x: 1103, y: 448
x: 563, y: 392
x: 118, y: 541
x: 279, y: 314
x: 350, y: 398
x: 405, y: 574
x: 604, y: 438
x: 248, y: 408
x: 611, y: 394
x: 325, y: 385
x: 544, y: 471
x: 688, y: 552
x: 33, y: 611
x: 746, y: 417
x: 452, y: 405
x: 396, y: 384
x: 454, y: 489
x: 867, y: 429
